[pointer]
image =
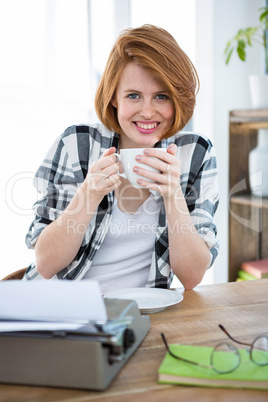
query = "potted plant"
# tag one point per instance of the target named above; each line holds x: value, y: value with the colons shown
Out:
x: 246, y: 37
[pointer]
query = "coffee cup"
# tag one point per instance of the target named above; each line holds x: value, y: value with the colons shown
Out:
x: 127, y: 158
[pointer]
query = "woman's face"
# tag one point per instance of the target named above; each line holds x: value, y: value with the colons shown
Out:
x: 144, y: 109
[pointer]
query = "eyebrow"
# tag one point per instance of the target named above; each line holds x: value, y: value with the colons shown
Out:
x: 139, y: 92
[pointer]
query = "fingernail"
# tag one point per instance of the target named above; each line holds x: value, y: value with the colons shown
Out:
x: 138, y: 158
x: 135, y: 169
x: 146, y: 151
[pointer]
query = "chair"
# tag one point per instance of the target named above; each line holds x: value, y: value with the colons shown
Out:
x: 15, y: 275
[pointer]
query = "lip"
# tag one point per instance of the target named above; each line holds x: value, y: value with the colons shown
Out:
x: 146, y: 127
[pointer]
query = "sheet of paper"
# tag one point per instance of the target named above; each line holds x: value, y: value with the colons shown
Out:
x: 16, y: 326
x: 51, y: 300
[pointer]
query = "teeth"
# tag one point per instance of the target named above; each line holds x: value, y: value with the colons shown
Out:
x: 146, y: 126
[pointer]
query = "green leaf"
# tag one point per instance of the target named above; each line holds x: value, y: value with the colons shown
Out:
x: 241, y: 53
x: 264, y: 16
x: 228, y: 47
x: 242, y: 43
x: 253, y: 30
x: 247, y: 37
x: 249, y: 41
x: 229, y: 56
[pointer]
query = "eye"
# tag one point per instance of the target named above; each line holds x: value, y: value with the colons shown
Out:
x: 162, y: 96
x: 133, y: 96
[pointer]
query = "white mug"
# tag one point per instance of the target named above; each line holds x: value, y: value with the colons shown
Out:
x: 127, y: 158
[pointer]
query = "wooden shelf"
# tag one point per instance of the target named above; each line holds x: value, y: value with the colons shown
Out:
x: 249, y: 199
x: 248, y: 215
x: 244, y: 121
x: 249, y: 116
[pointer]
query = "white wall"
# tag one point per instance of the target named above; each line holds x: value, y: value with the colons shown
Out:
x: 44, y: 88
x: 49, y: 68
x: 27, y: 111
x: 223, y: 88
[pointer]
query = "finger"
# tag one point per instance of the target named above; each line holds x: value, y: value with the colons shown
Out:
x: 108, y: 181
x: 103, y: 163
x: 112, y: 182
x: 172, y: 149
x: 146, y: 174
x: 170, y: 178
x: 107, y: 156
x: 110, y: 170
x: 154, y: 154
x: 160, y: 165
x: 151, y: 186
x: 109, y: 151
x: 113, y: 179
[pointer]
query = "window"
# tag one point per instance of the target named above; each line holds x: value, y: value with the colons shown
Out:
x: 54, y: 53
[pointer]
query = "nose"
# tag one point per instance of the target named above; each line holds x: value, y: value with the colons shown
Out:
x: 147, y: 109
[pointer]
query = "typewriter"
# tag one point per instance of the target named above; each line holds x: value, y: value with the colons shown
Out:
x: 89, y: 357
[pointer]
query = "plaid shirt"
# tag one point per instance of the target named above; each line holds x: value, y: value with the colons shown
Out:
x: 65, y: 168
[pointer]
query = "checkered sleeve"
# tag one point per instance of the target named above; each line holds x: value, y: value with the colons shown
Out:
x: 56, y: 185
x: 202, y: 193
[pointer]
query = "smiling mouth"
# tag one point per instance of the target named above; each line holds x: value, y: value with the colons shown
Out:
x: 148, y: 126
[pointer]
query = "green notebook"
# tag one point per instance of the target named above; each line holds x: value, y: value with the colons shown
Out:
x: 173, y: 371
x: 245, y: 275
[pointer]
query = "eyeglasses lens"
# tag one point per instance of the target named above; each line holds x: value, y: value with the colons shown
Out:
x: 259, y: 351
x: 225, y: 358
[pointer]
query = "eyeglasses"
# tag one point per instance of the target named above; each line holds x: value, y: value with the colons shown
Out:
x: 225, y: 357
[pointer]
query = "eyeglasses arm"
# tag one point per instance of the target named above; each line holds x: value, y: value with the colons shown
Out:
x: 229, y: 336
x: 181, y: 358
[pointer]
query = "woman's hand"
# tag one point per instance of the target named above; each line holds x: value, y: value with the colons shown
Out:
x: 168, y: 180
x: 102, y: 177
x: 60, y: 241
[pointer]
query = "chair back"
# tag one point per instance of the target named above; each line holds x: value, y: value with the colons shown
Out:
x: 15, y: 275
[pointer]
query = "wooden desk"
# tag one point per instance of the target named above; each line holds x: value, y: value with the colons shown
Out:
x: 241, y: 307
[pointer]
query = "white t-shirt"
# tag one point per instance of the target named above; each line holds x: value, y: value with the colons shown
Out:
x: 125, y: 256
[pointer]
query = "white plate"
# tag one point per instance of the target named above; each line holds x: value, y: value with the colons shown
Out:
x: 149, y: 300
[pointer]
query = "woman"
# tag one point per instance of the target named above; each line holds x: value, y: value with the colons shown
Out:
x: 82, y: 226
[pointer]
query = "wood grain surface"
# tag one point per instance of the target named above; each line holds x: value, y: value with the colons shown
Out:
x: 241, y: 307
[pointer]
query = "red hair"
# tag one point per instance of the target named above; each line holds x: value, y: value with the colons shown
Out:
x: 157, y: 51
